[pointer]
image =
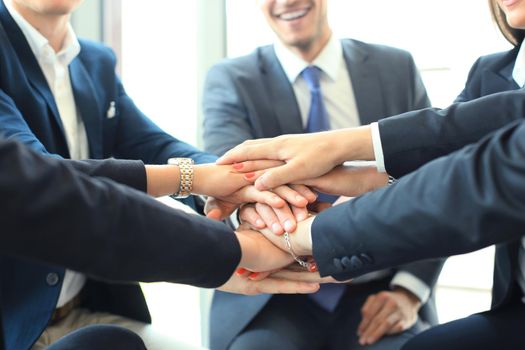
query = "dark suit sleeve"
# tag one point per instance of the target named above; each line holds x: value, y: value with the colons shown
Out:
x: 131, y: 173
x: 427, y: 271
x: 411, y: 139
x: 456, y: 204
x: 226, y: 121
x: 52, y: 213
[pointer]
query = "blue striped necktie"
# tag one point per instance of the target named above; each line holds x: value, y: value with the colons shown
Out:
x: 328, y: 296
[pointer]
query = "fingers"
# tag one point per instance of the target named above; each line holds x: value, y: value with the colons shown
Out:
x: 249, y: 215
x: 302, y: 276
x: 255, y: 165
x: 250, y: 194
x: 370, y: 309
x: 278, y: 286
x: 306, y: 192
x: 288, y: 173
x: 269, y: 285
x: 217, y: 209
x: 246, y: 151
x: 260, y: 216
x: 384, y: 319
x: 291, y: 196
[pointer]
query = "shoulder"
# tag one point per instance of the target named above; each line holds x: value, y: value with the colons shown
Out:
x: 497, y: 60
x: 95, y: 53
x: 246, y: 65
x: 376, y: 51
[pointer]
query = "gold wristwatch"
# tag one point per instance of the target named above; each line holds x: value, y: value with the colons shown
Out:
x: 186, y: 176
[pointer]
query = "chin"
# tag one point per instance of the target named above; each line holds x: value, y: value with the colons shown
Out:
x: 516, y: 22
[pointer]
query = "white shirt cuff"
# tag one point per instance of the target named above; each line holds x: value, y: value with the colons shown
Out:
x: 378, y: 148
x: 411, y: 283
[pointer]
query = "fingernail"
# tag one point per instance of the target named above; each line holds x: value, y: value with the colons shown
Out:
x: 237, y: 166
x: 249, y: 176
x: 288, y: 225
x: 313, y: 267
x: 362, y: 341
x: 259, y: 223
x: 240, y: 271
x: 276, y: 228
x: 253, y: 275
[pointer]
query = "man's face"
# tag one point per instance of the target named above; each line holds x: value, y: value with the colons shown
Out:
x: 49, y: 7
x: 297, y: 23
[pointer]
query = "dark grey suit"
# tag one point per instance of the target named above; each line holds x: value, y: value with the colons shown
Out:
x: 251, y: 97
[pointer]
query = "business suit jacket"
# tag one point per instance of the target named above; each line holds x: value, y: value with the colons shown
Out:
x: 491, y: 74
x: 251, y: 97
x: 28, y: 113
x: 441, y: 132
x: 47, y: 202
x: 465, y: 201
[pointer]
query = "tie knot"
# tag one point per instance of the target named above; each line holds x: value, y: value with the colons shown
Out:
x: 311, y: 75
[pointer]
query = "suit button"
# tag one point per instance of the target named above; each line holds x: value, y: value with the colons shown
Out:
x: 366, y: 258
x: 346, y: 262
x: 52, y: 279
x: 355, y: 262
x: 337, y: 264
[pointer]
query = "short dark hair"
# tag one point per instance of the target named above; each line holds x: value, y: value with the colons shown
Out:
x: 513, y: 35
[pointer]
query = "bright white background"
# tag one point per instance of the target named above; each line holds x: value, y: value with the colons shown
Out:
x: 160, y: 73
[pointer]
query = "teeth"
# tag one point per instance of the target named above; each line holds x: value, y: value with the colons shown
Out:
x: 293, y: 15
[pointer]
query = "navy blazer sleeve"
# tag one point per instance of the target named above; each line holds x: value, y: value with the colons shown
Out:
x: 411, y: 139
x: 468, y: 200
x: 67, y: 215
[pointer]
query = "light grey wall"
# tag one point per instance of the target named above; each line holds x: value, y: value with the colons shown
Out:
x: 87, y: 20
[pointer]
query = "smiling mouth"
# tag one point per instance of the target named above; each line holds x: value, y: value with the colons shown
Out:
x: 292, y: 15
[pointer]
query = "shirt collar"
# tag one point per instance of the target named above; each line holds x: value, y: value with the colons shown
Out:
x: 518, y: 73
x: 40, y: 45
x: 328, y: 60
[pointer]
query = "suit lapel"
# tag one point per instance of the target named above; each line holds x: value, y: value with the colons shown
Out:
x: 365, y: 82
x: 281, y: 93
x: 498, y: 77
x: 28, y: 62
x: 88, y: 106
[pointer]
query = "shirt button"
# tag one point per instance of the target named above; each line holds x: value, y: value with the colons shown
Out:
x: 52, y: 279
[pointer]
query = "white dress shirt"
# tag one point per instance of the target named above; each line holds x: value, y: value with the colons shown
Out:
x: 55, y: 68
x: 340, y: 103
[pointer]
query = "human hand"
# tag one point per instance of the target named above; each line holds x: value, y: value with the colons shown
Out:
x: 325, y: 150
x: 260, y: 215
x: 269, y: 285
x: 259, y: 254
x: 387, y: 312
x: 297, y: 197
x: 348, y: 180
x: 300, y: 240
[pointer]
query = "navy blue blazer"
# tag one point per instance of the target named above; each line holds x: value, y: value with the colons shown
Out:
x: 483, y: 107
x: 488, y: 75
x: 28, y: 113
x: 45, y: 199
x: 459, y: 203
x: 251, y: 97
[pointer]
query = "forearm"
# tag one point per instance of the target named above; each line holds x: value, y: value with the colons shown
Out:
x: 136, y: 238
x: 434, y: 200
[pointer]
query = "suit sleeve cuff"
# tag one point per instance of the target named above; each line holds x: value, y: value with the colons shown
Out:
x: 378, y: 148
x: 411, y: 283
